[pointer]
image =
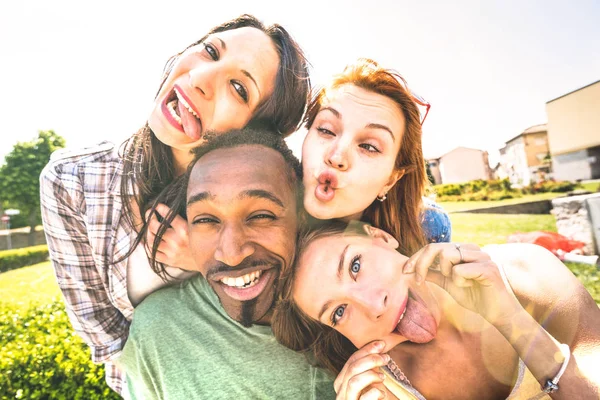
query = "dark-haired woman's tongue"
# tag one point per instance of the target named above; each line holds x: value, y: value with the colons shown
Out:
x: 418, y: 324
x: 191, y: 124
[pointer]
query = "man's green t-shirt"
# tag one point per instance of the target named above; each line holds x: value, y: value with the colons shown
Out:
x: 182, y: 345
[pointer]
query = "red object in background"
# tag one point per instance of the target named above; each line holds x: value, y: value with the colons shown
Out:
x: 556, y: 243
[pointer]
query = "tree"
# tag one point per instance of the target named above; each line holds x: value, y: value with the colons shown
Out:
x: 20, y: 174
x: 429, y: 174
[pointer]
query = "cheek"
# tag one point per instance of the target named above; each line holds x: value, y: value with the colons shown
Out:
x: 202, y: 249
x: 229, y: 114
x: 313, y: 149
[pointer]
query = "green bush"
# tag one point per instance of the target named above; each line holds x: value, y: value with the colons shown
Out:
x: 477, y: 190
x: 17, y: 258
x: 41, y: 358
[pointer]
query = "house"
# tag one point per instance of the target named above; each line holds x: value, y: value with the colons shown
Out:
x: 526, y: 157
x: 460, y: 165
x: 574, y: 133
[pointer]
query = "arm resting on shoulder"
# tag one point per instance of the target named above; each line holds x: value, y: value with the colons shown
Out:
x: 556, y: 308
x: 93, y: 316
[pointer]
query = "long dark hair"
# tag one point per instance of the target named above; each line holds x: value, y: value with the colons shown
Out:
x: 400, y: 213
x: 148, y: 163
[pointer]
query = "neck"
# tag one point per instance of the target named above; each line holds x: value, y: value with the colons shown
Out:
x: 353, y: 217
x: 181, y: 160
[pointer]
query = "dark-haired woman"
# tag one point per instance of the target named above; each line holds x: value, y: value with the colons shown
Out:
x: 241, y: 72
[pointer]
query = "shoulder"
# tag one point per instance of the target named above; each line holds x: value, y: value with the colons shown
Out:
x: 69, y: 160
x: 542, y: 283
x: 435, y: 222
x: 79, y: 170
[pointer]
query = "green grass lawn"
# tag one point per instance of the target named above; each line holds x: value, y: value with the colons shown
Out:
x: 28, y: 286
x: 485, y: 229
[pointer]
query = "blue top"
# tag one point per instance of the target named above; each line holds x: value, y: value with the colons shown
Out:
x: 435, y: 223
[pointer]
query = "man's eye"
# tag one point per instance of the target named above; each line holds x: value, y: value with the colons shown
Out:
x: 262, y: 216
x: 241, y: 90
x: 212, y: 52
x: 204, y: 220
x: 338, y: 313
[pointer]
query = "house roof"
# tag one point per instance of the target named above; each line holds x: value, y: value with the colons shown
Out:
x: 456, y: 148
x: 573, y: 91
x: 531, y: 129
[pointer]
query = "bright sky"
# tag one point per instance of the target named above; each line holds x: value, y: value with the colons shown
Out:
x: 89, y: 70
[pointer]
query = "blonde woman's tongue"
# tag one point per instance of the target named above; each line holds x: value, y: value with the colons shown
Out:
x: 418, y: 324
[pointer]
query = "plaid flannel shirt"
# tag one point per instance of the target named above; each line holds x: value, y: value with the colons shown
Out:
x: 81, y: 213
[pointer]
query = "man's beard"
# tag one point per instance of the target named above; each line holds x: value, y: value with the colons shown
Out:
x: 247, y: 314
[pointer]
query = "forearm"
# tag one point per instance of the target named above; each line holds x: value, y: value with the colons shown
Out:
x: 543, y: 357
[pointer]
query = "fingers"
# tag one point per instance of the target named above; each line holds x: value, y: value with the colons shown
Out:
x: 465, y: 275
x: 178, y: 223
x: 373, y: 394
x: 374, y: 347
x: 358, y: 383
x: 442, y: 257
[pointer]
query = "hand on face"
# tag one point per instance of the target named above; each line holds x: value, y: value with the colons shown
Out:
x: 361, y: 377
x: 173, y: 249
x: 474, y: 282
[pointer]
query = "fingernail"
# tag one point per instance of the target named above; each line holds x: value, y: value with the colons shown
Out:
x: 381, y: 376
x: 419, y: 279
x: 386, y: 358
x: 408, y: 268
x: 379, y: 345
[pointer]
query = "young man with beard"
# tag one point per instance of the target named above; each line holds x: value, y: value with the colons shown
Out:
x: 210, y: 336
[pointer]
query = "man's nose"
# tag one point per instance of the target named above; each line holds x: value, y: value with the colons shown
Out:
x: 234, y: 246
x: 337, y: 156
x: 374, y: 301
x: 203, y: 77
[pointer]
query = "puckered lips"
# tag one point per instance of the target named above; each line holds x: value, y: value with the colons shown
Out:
x: 245, y: 284
x: 327, y: 184
x: 181, y: 113
x: 415, y: 321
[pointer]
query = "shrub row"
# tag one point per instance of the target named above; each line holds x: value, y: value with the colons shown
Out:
x: 493, y: 190
x: 17, y: 258
x: 41, y: 358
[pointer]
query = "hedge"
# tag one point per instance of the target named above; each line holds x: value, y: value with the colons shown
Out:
x: 41, y: 358
x: 17, y: 258
x: 493, y: 190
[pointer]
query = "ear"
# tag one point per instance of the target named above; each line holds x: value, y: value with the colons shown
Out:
x: 394, y: 178
x: 378, y: 234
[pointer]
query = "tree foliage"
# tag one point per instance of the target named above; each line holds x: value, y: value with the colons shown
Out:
x: 20, y: 173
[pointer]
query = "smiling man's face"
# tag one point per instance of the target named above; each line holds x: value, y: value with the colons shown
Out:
x: 241, y: 211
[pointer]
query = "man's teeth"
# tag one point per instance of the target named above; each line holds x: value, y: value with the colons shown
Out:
x: 185, y: 104
x: 245, y: 281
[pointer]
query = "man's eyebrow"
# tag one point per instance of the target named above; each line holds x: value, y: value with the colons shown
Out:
x: 373, y: 125
x: 340, y: 271
x: 202, y: 196
x: 261, y: 194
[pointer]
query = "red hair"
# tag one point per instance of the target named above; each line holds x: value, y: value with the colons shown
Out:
x: 400, y: 213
